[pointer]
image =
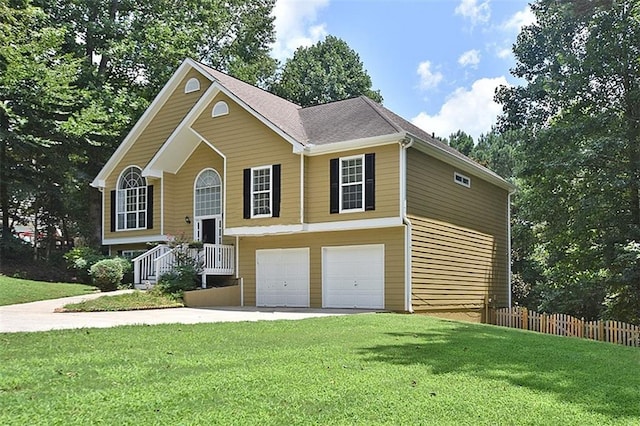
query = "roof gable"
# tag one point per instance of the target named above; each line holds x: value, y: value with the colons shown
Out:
x: 146, y: 118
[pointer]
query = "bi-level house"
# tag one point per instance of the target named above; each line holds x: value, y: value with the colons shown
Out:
x: 343, y: 205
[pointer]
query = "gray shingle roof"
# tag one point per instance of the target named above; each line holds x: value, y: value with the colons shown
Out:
x: 347, y: 120
x: 280, y: 112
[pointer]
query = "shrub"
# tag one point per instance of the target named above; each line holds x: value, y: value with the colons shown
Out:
x: 107, y: 274
x: 182, y: 278
x: 80, y: 260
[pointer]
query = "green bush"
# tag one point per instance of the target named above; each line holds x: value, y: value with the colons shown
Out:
x: 80, y: 260
x: 107, y: 274
x: 182, y: 278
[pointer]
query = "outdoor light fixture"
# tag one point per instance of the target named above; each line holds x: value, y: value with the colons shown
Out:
x: 187, y: 219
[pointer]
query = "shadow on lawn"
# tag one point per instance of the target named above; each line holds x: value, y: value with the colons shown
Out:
x: 582, y: 372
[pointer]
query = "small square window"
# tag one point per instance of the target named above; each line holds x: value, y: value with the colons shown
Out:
x: 461, y: 180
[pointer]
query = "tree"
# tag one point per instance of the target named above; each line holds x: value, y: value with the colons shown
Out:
x: 581, y: 108
x: 461, y: 141
x: 325, y: 72
x: 38, y: 98
x: 129, y: 49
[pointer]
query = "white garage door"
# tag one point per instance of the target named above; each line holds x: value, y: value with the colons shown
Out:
x: 353, y: 277
x: 282, y: 277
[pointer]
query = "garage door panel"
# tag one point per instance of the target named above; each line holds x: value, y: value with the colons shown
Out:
x: 282, y: 277
x: 353, y: 277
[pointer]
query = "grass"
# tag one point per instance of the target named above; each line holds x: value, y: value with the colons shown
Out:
x: 361, y: 369
x: 15, y: 290
x: 125, y: 302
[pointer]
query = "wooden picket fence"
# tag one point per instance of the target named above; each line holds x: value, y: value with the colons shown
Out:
x: 566, y: 325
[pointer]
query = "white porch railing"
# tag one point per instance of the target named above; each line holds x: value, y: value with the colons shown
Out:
x: 215, y: 259
x: 143, y: 265
x: 218, y: 259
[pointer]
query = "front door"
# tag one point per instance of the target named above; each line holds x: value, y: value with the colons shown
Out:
x: 208, y: 230
x: 207, y: 207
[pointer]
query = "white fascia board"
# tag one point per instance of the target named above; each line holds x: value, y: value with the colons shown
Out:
x: 343, y: 225
x: 466, y: 165
x: 249, y: 231
x: 143, y: 122
x: 329, y: 148
x: 171, y: 157
x: 134, y: 240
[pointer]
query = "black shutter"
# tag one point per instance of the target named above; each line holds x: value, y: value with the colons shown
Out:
x: 334, y: 185
x: 247, y: 194
x: 370, y: 182
x: 113, y: 211
x: 150, y: 207
x: 275, y: 190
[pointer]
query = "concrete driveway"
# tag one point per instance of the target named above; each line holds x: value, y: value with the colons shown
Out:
x: 40, y: 316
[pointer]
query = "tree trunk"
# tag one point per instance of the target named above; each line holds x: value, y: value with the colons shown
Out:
x: 4, y: 190
x: 95, y: 218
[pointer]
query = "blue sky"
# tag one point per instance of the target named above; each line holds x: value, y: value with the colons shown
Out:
x: 436, y: 62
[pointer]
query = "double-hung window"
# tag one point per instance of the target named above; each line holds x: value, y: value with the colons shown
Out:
x: 352, y: 183
x: 131, y: 209
x: 262, y: 192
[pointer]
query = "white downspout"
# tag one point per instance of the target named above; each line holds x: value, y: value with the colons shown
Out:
x: 405, y: 144
x: 302, y: 189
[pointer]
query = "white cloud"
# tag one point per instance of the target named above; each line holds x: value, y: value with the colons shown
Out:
x: 473, y: 111
x: 504, y: 53
x: 519, y: 19
x: 470, y: 58
x: 428, y: 78
x: 477, y: 13
x: 296, y: 26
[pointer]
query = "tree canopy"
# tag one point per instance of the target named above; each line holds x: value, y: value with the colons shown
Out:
x: 580, y: 111
x: 327, y: 71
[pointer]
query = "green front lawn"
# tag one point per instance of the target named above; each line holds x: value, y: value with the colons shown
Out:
x: 15, y: 290
x: 125, y: 302
x: 360, y: 369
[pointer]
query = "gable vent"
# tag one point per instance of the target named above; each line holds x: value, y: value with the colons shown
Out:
x: 193, y: 85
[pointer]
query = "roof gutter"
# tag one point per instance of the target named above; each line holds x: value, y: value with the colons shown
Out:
x: 328, y: 148
x: 405, y: 144
x: 465, y: 165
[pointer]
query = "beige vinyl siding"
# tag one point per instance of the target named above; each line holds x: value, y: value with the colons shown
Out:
x: 453, y: 267
x: 459, y: 238
x: 148, y: 143
x: 179, y: 189
x: 387, y: 183
x: 392, y: 238
x: 246, y: 143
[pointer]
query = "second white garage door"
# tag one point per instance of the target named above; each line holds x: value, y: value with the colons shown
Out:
x: 282, y: 277
x: 353, y: 277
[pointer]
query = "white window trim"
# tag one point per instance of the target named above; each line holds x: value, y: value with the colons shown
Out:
x: 461, y: 179
x: 195, y: 187
x: 253, y: 192
x: 192, y: 85
x: 219, y: 109
x: 119, y: 194
x: 341, y: 185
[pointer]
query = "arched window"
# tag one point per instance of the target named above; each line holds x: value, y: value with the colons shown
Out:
x: 220, y: 108
x: 131, y: 203
x: 193, y: 85
x: 208, y: 191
